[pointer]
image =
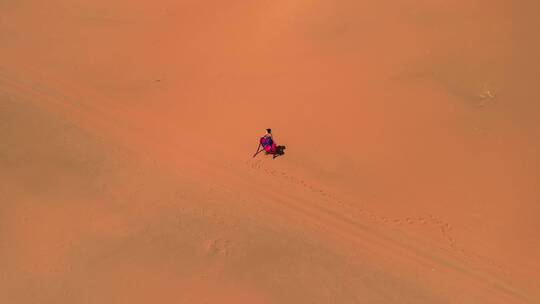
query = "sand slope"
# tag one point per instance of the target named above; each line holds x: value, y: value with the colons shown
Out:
x: 409, y: 176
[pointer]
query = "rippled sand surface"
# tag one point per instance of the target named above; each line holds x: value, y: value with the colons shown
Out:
x: 410, y: 176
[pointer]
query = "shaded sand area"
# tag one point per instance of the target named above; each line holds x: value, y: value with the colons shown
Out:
x: 410, y: 175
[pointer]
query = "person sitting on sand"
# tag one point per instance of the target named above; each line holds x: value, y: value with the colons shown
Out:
x: 269, y: 146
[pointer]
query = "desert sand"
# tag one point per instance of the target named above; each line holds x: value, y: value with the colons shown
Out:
x: 411, y: 172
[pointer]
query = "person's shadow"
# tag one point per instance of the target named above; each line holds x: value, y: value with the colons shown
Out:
x: 280, y: 150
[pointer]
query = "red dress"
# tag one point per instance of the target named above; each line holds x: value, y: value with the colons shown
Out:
x: 268, y: 144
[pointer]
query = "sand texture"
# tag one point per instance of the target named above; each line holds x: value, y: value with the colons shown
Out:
x: 411, y: 172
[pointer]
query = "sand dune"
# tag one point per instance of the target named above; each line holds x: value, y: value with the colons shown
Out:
x: 410, y: 172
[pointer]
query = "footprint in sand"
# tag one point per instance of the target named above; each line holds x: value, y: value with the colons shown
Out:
x: 216, y: 247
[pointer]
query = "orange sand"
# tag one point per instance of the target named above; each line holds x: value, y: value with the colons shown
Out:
x: 410, y: 175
